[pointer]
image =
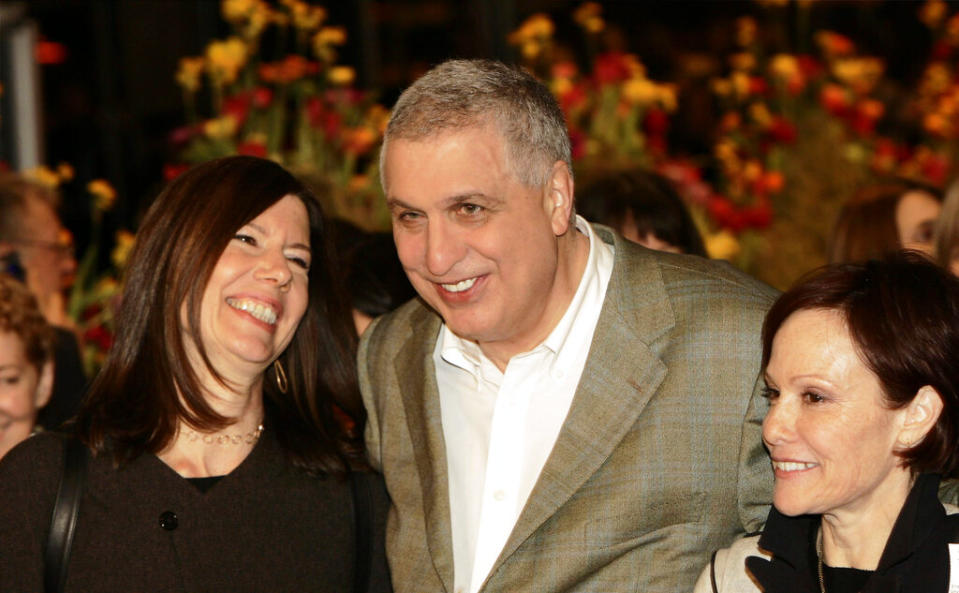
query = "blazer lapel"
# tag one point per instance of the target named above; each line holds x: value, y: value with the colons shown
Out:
x: 417, y: 381
x: 621, y: 375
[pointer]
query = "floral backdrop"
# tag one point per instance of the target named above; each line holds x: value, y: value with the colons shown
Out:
x: 793, y: 134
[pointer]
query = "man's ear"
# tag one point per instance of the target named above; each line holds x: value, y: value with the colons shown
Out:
x: 44, y: 385
x: 922, y: 413
x: 559, y: 197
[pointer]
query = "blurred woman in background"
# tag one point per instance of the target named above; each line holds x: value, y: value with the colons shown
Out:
x: 881, y: 219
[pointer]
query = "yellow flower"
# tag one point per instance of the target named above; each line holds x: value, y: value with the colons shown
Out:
x: 741, y: 84
x: 226, y: 58
x: 634, y: 65
x: 932, y: 13
x: 743, y: 61
x: 378, y: 117
x: 936, y: 79
x: 104, y: 196
x: 65, y: 171
x: 306, y: 17
x: 324, y: 41
x: 640, y: 91
x: 784, y: 67
x: 746, y: 31
x: 752, y: 171
x: 722, y: 87
x: 121, y: 251
x: 44, y: 176
x: 237, y: 11
x: 722, y: 245
x: 106, y: 287
x: 860, y: 74
x: 760, y: 114
x: 341, y: 75
x: 667, y: 97
x: 589, y: 17
x: 188, y: 74
x: 358, y: 184
x: 560, y: 86
x: 531, y: 48
x: 537, y: 27
x: 220, y: 128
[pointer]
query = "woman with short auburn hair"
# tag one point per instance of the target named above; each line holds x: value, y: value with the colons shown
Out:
x: 860, y: 366
x: 219, y: 462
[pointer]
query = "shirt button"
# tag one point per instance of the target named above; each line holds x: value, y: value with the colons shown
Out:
x: 499, y: 495
x: 169, y: 521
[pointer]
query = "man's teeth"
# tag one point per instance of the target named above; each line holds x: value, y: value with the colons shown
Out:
x: 258, y: 310
x: 791, y: 466
x: 460, y: 286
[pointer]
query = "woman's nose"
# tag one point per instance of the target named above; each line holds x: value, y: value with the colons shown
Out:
x: 275, y: 268
x: 778, y: 423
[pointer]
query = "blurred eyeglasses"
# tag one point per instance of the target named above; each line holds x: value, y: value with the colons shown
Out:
x: 62, y: 248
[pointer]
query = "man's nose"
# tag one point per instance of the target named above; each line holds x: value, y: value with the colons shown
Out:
x: 443, y: 249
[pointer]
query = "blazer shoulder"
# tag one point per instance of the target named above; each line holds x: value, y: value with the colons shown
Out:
x: 680, y: 270
x: 390, y: 331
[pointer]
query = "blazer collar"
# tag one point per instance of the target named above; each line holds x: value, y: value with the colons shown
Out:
x: 621, y: 374
x: 418, y: 388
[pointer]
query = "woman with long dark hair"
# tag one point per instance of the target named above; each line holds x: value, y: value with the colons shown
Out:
x: 219, y: 459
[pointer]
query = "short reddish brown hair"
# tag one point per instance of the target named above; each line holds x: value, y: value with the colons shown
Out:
x: 902, y: 313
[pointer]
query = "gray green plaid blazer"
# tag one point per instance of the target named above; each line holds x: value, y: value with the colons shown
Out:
x: 658, y: 463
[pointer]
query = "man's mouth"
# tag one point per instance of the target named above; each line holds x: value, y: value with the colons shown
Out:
x: 460, y: 286
x: 258, y: 310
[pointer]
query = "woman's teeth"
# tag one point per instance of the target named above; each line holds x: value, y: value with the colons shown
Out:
x: 460, y: 286
x: 791, y: 466
x: 264, y: 313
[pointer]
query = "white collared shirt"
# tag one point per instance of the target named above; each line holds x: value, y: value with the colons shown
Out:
x: 499, y: 428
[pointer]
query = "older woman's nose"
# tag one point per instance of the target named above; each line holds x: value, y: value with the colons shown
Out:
x: 779, y: 424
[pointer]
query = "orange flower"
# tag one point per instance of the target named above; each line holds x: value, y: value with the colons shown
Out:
x: 932, y: 13
x: 589, y: 17
x: 225, y: 59
x: 341, y: 75
x: 833, y: 44
x: 188, y: 74
x: 104, y: 194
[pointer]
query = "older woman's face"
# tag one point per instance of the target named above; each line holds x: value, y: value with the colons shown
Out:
x: 23, y: 390
x: 916, y: 215
x: 258, y: 291
x: 830, y: 437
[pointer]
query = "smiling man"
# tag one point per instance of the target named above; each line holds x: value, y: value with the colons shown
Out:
x: 561, y: 410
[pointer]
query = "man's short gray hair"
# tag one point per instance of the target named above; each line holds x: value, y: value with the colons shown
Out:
x: 473, y: 93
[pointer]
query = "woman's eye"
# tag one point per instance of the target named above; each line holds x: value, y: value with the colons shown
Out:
x: 245, y: 239
x: 14, y: 380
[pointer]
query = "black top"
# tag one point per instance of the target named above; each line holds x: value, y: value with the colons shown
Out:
x: 915, y: 558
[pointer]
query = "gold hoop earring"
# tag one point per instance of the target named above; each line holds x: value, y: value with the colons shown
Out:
x: 281, y: 382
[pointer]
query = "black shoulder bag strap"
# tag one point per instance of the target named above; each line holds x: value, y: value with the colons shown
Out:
x: 56, y: 554
x: 362, y: 513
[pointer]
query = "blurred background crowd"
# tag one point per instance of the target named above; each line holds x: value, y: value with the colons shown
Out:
x: 777, y: 134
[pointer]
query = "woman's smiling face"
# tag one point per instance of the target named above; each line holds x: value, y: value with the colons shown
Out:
x: 258, y: 291
x: 828, y: 431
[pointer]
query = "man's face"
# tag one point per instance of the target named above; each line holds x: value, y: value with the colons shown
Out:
x: 44, y: 248
x: 480, y: 247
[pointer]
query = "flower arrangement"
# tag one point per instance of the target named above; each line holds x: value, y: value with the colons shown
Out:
x: 615, y: 113
x: 300, y: 110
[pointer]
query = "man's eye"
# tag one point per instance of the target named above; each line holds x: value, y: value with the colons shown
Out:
x: 470, y: 209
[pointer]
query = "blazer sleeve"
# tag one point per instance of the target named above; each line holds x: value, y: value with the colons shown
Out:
x: 366, y: 359
x: 755, y: 475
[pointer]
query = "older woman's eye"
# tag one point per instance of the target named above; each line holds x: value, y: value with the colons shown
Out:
x: 813, y: 398
x: 770, y: 393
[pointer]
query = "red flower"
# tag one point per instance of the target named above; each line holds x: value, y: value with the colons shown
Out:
x: 809, y: 66
x: 611, y: 68
x: 238, y: 106
x: 262, y: 97
x: 252, y: 148
x: 935, y: 168
x: 834, y: 99
x: 758, y: 86
x: 656, y: 122
x: 100, y: 336
x: 173, y: 170
x: 573, y: 98
x: 782, y: 130
x: 577, y: 141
